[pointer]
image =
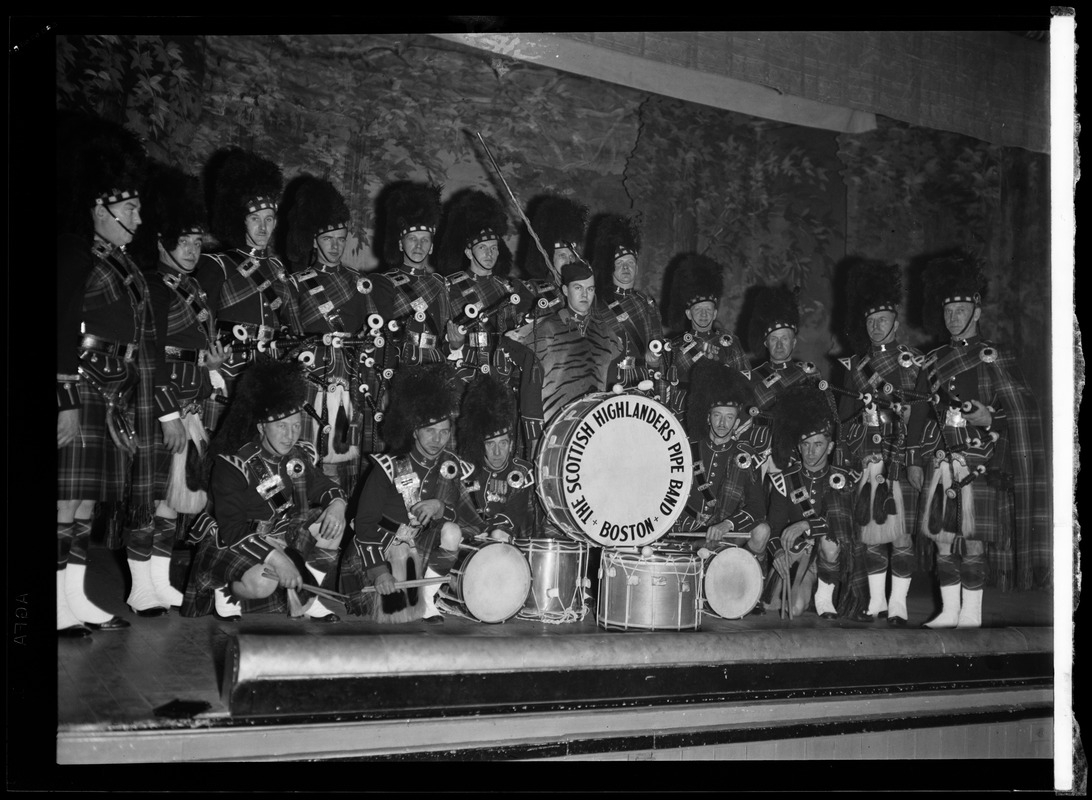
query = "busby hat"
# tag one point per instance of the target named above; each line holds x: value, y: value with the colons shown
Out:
x: 488, y: 410
x: 313, y: 206
x: 952, y: 277
x: 172, y: 206
x: 801, y: 411
x: 421, y: 395
x: 267, y: 390
x: 713, y: 385
x: 98, y: 163
x: 410, y: 206
x: 775, y: 307
x: 241, y: 183
x: 558, y: 222
x: 697, y: 279
x: 612, y: 236
x: 871, y: 286
x: 472, y: 217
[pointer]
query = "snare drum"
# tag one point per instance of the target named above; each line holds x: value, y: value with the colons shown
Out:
x: 652, y: 590
x: 559, y: 580
x: 614, y: 470
x: 489, y: 582
x: 732, y: 584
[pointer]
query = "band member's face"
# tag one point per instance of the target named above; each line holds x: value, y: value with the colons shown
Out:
x: 881, y: 327
x: 430, y: 440
x: 580, y: 295
x: 331, y: 246
x: 483, y: 256
x: 280, y: 435
x: 185, y: 254
x: 497, y: 451
x: 625, y: 271
x: 722, y: 421
x: 111, y: 221
x: 961, y: 319
x: 563, y: 256
x: 702, y: 315
x: 416, y: 247
x: 780, y: 344
x: 259, y: 227
x: 814, y: 451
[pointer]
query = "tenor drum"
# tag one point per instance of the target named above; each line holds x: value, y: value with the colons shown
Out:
x: 489, y: 582
x: 651, y: 590
x: 559, y: 580
x: 732, y: 584
x: 614, y: 470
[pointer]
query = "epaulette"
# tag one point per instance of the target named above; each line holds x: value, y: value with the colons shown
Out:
x: 235, y: 461
x: 219, y: 259
x: 309, y: 450
x: 846, y: 362
x: 306, y: 275
x: 466, y: 469
x: 385, y: 463
x: 778, y: 481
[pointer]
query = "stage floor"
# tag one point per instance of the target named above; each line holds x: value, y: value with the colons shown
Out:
x: 118, y: 680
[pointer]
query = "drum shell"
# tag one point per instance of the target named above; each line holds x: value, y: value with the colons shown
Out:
x: 488, y: 583
x: 559, y: 580
x: 665, y: 593
x: 563, y: 437
x: 731, y: 582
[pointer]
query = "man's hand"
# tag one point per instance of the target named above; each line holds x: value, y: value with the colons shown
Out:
x: 174, y: 435
x: 718, y: 532
x: 217, y: 354
x: 428, y: 510
x: 68, y: 426
x: 916, y: 476
x: 792, y: 534
x: 288, y: 577
x: 384, y: 584
x: 332, y: 520
x: 497, y: 535
x: 455, y: 338
x: 981, y: 415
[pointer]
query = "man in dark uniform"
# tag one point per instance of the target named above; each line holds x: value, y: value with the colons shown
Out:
x: 976, y: 453
x: 486, y: 303
x: 186, y: 349
x: 246, y: 284
x: 105, y: 416
x: 421, y: 307
x: 630, y: 314
x: 414, y: 509
x: 696, y: 290
x: 876, y: 400
x: 502, y: 485
x: 343, y: 352
x: 574, y: 349
x: 276, y: 520
x: 812, y: 501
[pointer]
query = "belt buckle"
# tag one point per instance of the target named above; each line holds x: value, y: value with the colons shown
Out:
x: 427, y: 340
x: 130, y: 351
x: 265, y: 333
x: 871, y: 416
x: 479, y: 339
x: 953, y: 418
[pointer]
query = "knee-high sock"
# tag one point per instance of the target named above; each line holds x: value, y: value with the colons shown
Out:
x: 973, y: 577
x: 876, y: 564
x: 65, y: 617
x: 827, y: 572
x: 950, y: 592
x: 76, y: 573
x: 319, y: 564
x: 160, y: 562
x: 902, y: 569
x: 139, y: 545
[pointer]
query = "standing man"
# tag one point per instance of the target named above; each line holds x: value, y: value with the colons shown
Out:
x: 696, y: 290
x: 186, y: 350
x: 976, y: 453
x: 105, y: 417
x: 276, y: 520
x: 561, y: 225
x: 876, y: 401
x: 421, y: 307
x: 486, y: 303
x: 812, y: 501
x: 630, y: 314
x: 344, y: 353
x: 502, y: 485
x: 574, y: 349
x: 414, y: 509
x: 247, y: 285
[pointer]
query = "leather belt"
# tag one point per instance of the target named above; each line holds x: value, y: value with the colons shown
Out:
x: 183, y: 354
x: 94, y: 343
x: 424, y: 340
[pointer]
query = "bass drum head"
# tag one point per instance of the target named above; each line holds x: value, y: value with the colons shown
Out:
x: 733, y: 583
x: 495, y: 582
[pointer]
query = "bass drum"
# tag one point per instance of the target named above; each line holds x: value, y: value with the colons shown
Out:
x: 614, y: 470
x: 650, y: 590
x: 732, y: 584
x: 489, y: 583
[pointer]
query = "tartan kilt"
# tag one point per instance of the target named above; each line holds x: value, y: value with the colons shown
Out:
x: 92, y: 467
x: 216, y: 567
x: 994, y: 513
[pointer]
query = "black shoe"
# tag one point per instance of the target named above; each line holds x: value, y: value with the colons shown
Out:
x: 222, y: 618
x: 112, y: 624
x: 860, y: 616
x: 828, y: 615
x: 896, y: 622
x: 436, y: 620
x: 328, y: 618
x: 73, y: 632
x: 154, y: 611
x: 758, y: 610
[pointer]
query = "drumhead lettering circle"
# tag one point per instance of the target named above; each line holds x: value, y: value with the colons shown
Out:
x: 615, y: 469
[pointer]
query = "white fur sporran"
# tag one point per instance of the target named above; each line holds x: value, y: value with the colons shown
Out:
x: 179, y: 495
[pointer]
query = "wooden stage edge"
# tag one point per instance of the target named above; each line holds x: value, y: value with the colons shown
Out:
x: 683, y: 695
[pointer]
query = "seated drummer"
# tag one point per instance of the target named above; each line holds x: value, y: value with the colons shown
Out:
x: 502, y: 485
x: 414, y: 509
x: 275, y: 520
x: 726, y: 496
x: 811, y: 500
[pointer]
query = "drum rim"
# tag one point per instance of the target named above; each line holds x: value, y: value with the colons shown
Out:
x: 744, y: 558
x: 467, y: 601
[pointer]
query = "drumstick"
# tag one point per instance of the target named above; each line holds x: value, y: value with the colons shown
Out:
x: 409, y: 584
x: 327, y: 593
x: 705, y: 534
